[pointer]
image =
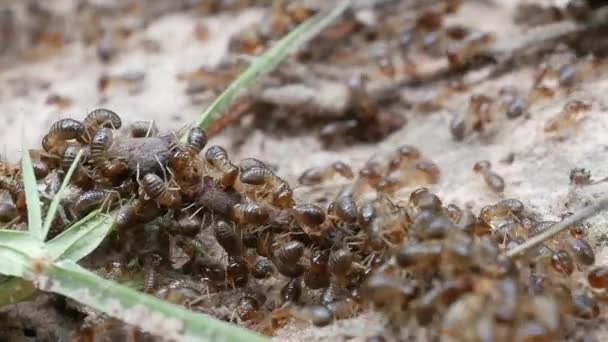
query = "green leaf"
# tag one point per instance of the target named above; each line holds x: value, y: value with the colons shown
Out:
x: 34, y: 215
x: 147, y: 312
x: 270, y: 59
x: 50, y: 215
x: 14, y: 290
x: 81, y: 238
x: 21, y: 241
x: 16, y: 250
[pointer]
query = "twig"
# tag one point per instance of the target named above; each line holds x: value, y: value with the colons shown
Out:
x: 558, y: 227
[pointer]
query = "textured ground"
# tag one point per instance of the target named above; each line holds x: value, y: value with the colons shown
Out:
x: 538, y: 176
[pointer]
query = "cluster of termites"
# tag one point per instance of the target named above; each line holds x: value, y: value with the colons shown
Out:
x: 209, y: 233
x: 232, y: 239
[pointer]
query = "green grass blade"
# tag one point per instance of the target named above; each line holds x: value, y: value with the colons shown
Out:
x: 147, y: 312
x: 81, y: 238
x: 14, y: 290
x: 20, y: 240
x: 34, y: 214
x: 16, y: 248
x: 50, y: 215
x: 270, y: 59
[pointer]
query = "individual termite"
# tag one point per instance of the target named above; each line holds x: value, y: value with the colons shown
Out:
x: 249, y: 305
x: 143, y: 129
x: 317, y: 274
x: 386, y: 290
x: 371, y: 172
x: 101, y: 117
x: 151, y: 262
x: 426, y: 171
x: 99, y: 145
x: 217, y: 158
x: 188, y: 225
x: 260, y: 175
x: 154, y: 188
x: 250, y: 213
x: 126, y: 215
x: 262, y: 269
x: 8, y: 210
x: 92, y: 199
x: 287, y: 259
x: 250, y: 163
x: 60, y: 132
x: 562, y: 262
x: 317, y: 175
x: 495, y: 182
x: 101, y: 141
x: 580, y: 177
x: 309, y: 215
x: 403, y: 156
x: 458, y: 127
x: 572, y: 113
x: 41, y: 169
x: 581, y: 251
x: 344, y: 207
x: 419, y: 255
x: 237, y: 271
x: 292, y: 290
x: 228, y: 237
x: 69, y: 155
x: 481, y: 112
x: 334, y: 132
x: 196, y: 140
x: 340, y: 263
x: 598, y: 278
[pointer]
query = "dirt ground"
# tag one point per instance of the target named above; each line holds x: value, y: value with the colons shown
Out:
x: 538, y: 175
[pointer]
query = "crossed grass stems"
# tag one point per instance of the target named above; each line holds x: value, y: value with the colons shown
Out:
x: 29, y: 262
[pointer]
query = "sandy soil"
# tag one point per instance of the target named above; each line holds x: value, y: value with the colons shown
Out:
x: 539, y: 175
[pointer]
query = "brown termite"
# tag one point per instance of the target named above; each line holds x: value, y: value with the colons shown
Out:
x: 60, y: 132
x: 152, y: 261
x: 309, y: 214
x: 8, y: 210
x: 340, y: 263
x: 287, y: 259
x: 237, y: 271
x: 249, y: 305
x: 262, y: 269
x: 317, y: 274
x: 344, y: 207
x: 318, y: 175
x: 292, y: 290
x: 101, y: 117
x: 92, y: 199
x: 250, y: 213
x: 196, y: 140
x: 495, y: 182
x: 154, y: 188
x: 217, y: 158
x: 229, y: 238
x: 572, y: 113
x: 403, y: 156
